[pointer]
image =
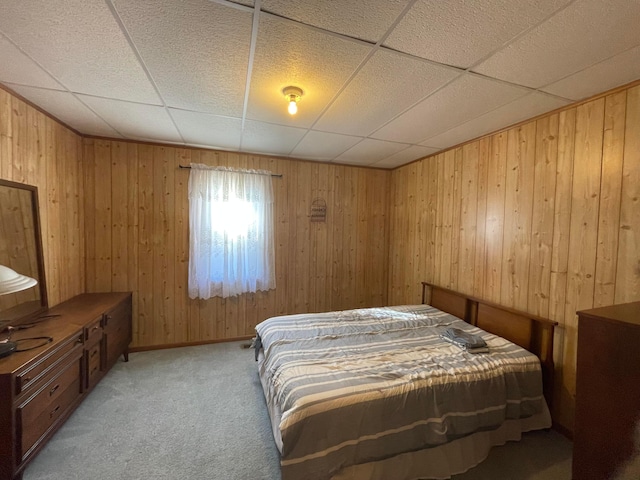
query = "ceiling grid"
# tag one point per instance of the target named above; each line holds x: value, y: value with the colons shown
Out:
x: 385, y: 81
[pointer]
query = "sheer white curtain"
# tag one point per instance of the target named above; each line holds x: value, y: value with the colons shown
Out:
x: 230, y: 231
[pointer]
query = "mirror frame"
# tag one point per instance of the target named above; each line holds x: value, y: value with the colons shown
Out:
x: 42, y: 284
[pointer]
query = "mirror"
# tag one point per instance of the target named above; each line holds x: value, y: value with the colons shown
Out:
x: 21, y: 251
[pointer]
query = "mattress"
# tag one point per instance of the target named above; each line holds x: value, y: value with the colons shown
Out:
x: 356, y: 389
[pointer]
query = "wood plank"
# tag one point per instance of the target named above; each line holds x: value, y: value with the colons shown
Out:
x: 628, y: 270
x: 301, y: 233
x: 468, y: 218
x: 282, y: 218
x: 410, y: 234
x: 144, y: 324
x: 102, y: 219
x: 517, y: 216
x: 362, y: 240
x: 89, y: 162
x: 336, y: 247
x: 432, y: 210
x: 610, y: 197
x: 55, y: 231
x: 422, y: 231
x: 494, y: 225
x: 448, y: 190
x: 19, y: 146
x: 545, y: 166
x: 183, y: 325
x: 439, y: 219
x: 379, y: 229
x: 480, y: 266
x: 455, y: 219
x: 119, y: 217
x: 562, y: 215
x: 163, y: 244
x: 395, y: 233
x: 72, y: 248
x: 6, y: 134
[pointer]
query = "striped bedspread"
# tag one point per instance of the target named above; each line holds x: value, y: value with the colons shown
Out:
x: 360, y: 385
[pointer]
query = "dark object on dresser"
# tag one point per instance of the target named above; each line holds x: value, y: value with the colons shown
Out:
x: 607, y: 390
x: 40, y: 388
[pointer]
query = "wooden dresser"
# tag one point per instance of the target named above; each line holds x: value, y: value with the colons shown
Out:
x: 607, y: 390
x: 40, y: 388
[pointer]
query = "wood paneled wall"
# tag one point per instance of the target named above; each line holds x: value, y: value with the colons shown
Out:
x: 544, y: 217
x: 36, y: 150
x: 137, y: 239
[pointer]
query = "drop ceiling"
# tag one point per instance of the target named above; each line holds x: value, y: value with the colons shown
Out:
x: 385, y: 81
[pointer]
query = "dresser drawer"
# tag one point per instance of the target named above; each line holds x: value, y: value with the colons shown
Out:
x: 93, y: 331
x: 119, y: 315
x: 49, y: 403
x: 94, y: 364
x: 38, y: 370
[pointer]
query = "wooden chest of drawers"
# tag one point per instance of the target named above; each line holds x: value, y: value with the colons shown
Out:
x: 607, y: 391
x: 40, y: 388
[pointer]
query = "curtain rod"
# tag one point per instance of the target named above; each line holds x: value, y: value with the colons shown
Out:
x: 278, y: 175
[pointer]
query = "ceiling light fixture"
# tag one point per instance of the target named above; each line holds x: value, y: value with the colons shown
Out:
x: 292, y: 94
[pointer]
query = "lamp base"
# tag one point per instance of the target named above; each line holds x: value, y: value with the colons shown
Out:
x: 7, y: 348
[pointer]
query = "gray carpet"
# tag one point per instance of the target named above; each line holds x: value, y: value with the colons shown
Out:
x: 198, y: 413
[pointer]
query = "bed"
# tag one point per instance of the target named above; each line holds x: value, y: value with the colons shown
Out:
x: 377, y: 393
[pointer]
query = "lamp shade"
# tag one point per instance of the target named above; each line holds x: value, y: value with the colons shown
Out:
x: 12, y: 282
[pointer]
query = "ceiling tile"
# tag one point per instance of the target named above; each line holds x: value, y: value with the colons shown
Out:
x: 365, y: 19
x: 323, y: 146
x: 603, y: 76
x: 19, y: 68
x: 370, y: 151
x: 465, y: 98
x: 521, y: 109
x: 134, y: 120
x: 460, y: 33
x: 197, y: 51
x: 586, y: 32
x: 289, y: 54
x: 80, y: 44
x: 68, y: 109
x: 268, y: 138
x: 207, y: 129
x: 414, y: 152
x: 388, y: 84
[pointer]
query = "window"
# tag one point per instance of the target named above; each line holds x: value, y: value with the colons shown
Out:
x: 230, y: 232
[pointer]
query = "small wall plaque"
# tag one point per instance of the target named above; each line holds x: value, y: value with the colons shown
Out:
x: 318, y: 210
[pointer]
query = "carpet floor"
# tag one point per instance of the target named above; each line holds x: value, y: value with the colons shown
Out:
x: 198, y: 413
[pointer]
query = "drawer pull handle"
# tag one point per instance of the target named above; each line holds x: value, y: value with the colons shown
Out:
x: 107, y: 318
x: 95, y: 328
x: 26, y: 379
x: 79, y: 340
x: 53, y: 412
x: 53, y: 390
x: 93, y: 354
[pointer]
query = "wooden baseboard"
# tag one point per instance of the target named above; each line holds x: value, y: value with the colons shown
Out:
x: 562, y: 430
x: 187, y: 344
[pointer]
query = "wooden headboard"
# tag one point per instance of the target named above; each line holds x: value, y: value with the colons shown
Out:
x: 529, y: 331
